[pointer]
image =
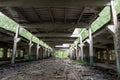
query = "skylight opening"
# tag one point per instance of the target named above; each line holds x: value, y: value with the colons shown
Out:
x: 76, y: 32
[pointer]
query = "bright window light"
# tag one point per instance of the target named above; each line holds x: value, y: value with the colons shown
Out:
x: 58, y: 46
x: 63, y: 45
x: 76, y: 32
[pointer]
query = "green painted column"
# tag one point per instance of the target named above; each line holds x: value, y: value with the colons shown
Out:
x: 91, y: 47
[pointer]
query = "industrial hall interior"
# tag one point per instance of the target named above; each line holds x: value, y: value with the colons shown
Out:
x: 59, y: 39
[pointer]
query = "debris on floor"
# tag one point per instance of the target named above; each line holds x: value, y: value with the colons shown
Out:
x: 53, y: 69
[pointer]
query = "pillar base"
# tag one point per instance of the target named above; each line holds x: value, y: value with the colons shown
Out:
x: 91, y: 60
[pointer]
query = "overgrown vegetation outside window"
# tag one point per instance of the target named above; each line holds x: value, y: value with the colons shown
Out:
x: 1, y: 52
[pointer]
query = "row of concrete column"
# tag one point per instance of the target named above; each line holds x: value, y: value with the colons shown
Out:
x: 77, y: 52
x: 46, y: 51
x: 114, y: 29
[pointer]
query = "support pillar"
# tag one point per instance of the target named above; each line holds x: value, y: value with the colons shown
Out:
x: 30, y: 45
x: 41, y: 53
x: 45, y: 53
x: 76, y: 53
x: 81, y: 46
x: 37, y: 52
x: 16, y: 40
x: 115, y: 29
x: 91, y: 47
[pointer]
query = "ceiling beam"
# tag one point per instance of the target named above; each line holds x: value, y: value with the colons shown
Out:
x: 39, y: 17
x: 51, y: 14
x: 15, y: 14
x: 23, y: 14
x: 102, y: 40
x: 99, y: 32
x: 65, y: 15
x: 80, y: 16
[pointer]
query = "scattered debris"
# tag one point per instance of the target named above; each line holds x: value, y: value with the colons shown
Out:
x: 54, y: 69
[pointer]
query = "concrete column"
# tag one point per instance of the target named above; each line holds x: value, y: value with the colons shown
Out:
x: 91, y: 46
x: 71, y: 53
x: 116, y: 35
x: 76, y: 52
x: 81, y: 46
x: 16, y: 40
x: 30, y: 45
x: 37, y: 52
x: 79, y: 52
x: 45, y: 53
x: 50, y: 53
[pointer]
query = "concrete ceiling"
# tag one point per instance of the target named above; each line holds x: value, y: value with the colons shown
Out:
x: 49, y: 3
x: 53, y: 21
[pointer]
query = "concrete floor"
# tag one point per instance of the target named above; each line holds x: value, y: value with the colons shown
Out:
x: 53, y: 69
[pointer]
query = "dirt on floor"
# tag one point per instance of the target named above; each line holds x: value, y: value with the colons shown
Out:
x: 53, y: 69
